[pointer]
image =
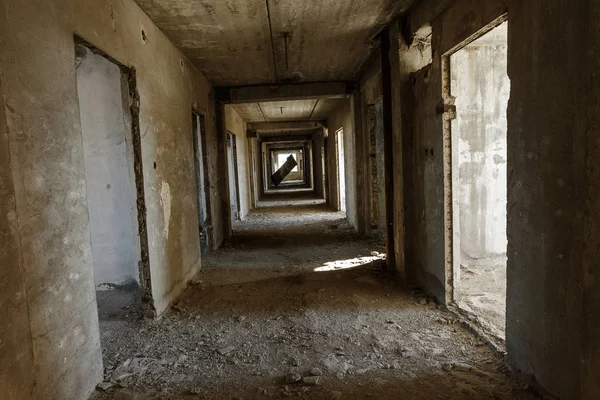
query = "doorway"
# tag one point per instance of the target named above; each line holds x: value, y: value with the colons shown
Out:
x: 339, y: 137
x: 232, y: 169
x: 200, y: 160
x: 480, y: 87
x: 109, y: 162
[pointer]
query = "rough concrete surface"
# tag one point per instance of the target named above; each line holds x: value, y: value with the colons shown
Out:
x: 552, y: 181
x: 481, y: 87
x: 244, y: 42
x: 39, y: 94
x: 109, y: 176
x: 15, y: 366
x: 299, y: 308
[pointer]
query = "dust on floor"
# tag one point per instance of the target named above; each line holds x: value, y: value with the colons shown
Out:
x: 299, y: 306
x: 482, y: 294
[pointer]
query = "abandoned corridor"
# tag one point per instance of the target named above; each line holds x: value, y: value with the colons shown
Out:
x: 323, y: 198
x: 298, y: 305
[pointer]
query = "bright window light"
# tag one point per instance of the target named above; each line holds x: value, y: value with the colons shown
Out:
x: 282, y: 158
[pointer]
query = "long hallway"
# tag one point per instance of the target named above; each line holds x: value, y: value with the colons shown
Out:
x: 327, y: 199
x: 299, y: 306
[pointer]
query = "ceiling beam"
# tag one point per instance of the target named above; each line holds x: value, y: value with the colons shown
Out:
x: 283, y: 126
x: 299, y: 91
x: 288, y: 138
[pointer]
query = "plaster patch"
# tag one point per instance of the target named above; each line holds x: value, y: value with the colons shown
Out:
x: 165, y: 195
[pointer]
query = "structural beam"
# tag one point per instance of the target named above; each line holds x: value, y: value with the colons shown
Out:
x: 388, y: 141
x: 286, y: 138
x: 283, y: 126
x: 299, y: 91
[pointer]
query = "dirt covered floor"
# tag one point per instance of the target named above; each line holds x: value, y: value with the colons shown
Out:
x: 482, y: 294
x: 298, y: 306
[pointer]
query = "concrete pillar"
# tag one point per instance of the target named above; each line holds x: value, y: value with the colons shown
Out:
x: 222, y: 175
x: 362, y: 155
x: 392, y: 120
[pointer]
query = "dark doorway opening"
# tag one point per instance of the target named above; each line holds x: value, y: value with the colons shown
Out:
x: 113, y: 185
x: 232, y: 167
x: 200, y: 164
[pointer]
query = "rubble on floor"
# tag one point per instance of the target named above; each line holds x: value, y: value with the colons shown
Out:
x: 261, y: 322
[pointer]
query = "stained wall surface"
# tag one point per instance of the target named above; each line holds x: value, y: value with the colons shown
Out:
x: 108, y: 164
x: 481, y: 87
x: 38, y: 79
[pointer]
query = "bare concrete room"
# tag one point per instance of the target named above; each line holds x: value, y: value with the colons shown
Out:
x: 334, y: 199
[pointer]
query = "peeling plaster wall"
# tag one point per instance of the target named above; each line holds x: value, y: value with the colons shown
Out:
x: 235, y: 124
x: 341, y: 117
x: 46, y: 157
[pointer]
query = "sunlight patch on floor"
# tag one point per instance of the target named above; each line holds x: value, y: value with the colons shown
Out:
x: 350, y: 263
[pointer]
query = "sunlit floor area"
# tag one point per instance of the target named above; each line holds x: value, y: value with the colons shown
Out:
x: 482, y: 294
x: 299, y: 306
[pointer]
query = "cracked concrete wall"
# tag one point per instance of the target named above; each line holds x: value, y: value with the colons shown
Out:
x: 342, y: 117
x: 38, y: 78
x: 235, y: 124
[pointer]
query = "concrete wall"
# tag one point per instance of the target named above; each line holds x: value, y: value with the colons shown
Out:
x: 342, y: 117
x: 235, y: 124
x: 481, y: 87
x: 16, y: 347
x: 109, y: 176
x: 553, y: 208
x: 553, y: 328
x: 50, y: 216
x: 318, y: 169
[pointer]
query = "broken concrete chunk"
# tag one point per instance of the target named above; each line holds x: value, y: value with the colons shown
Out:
x: 293, y: 378
x: 311, y: 380
x: 462, y: 367
x: 104, y: 386
x: 226, y: 350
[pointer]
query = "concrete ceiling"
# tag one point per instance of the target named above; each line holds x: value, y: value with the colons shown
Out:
x: 287, y: 110
x: 243, y: 42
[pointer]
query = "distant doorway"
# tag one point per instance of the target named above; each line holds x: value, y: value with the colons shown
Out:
x: 480, y: 85
x: 234, y: 196
x: 203, y: 198
x: 110, y: 178
x: 341, y: 172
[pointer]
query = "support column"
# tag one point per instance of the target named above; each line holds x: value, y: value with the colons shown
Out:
x: 361, y: 172
x: 222, y: 175
x: 392, y: 120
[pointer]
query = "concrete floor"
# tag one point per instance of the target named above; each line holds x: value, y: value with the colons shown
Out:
x: 482, y: 293
x: 297, y: 306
